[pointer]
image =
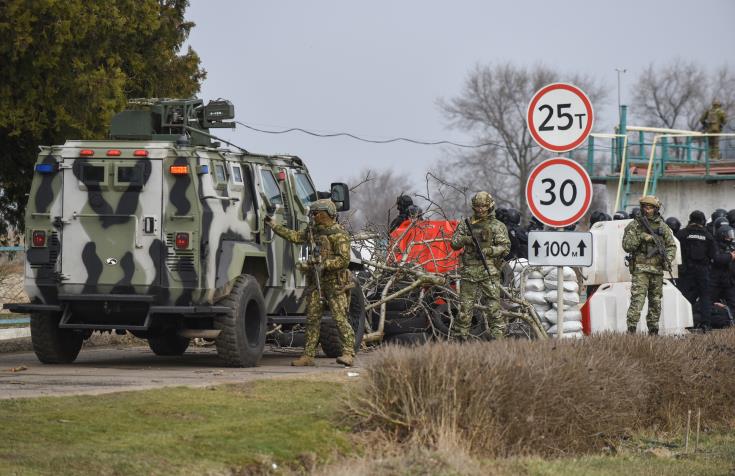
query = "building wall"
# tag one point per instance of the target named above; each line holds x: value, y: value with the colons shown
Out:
x: 681, y: 198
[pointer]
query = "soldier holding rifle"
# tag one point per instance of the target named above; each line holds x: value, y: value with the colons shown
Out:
x: 485, y: 242
x: 328, y: 279
x: 651, y: 247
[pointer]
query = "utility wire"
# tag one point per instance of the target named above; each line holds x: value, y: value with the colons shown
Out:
x: 371, y: 141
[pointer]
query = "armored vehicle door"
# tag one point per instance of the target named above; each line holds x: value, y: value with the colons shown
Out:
x: 304, y: 196
x: 112, y: 228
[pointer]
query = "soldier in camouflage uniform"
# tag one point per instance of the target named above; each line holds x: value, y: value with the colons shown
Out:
x: 474, y: 279
x: 713, y: 120
x: 647, y: 265
x: 330, y: 258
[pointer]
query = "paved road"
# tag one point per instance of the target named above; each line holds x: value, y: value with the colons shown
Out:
x: 106, y: 370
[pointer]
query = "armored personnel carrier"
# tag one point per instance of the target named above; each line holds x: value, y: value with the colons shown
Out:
x: 159, y: 231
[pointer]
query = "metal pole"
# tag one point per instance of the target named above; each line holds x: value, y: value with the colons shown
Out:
x: 619, y: 71
x: 560, y: 299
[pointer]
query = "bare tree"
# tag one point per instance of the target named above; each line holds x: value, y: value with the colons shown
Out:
x: 492, y: 105
x: 675, y: 95
x: 373, y: 197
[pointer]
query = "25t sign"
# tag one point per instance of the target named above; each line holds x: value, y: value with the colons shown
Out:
x: 560, y: 117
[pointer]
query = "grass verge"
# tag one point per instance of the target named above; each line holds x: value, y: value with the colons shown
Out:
x: 220, y: 430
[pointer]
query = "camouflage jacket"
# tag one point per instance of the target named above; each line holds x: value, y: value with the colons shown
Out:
x: 333, y: 245
x: 713, y: 120
x: 494, y: 241
x: 645, y: 257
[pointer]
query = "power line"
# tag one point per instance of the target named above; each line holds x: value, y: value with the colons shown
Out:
x: 371, y: 141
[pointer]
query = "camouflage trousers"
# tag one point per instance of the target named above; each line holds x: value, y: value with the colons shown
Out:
x: 489, y: 293
x: 714, y: 147
x: 643, y: 284
x: 338, y: 304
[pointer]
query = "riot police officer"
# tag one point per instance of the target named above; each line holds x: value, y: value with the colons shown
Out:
x: 674, y: 224
x: 723, y: 268
x: 403, y: 203
x: 621, y: 215
x: 518, y: 236
x: 720, y: 212
x: 697, y: 252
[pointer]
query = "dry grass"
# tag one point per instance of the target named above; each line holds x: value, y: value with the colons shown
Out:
x: 548, y: 398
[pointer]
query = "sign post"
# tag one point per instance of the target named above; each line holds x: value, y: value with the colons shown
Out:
x: 559, y: 190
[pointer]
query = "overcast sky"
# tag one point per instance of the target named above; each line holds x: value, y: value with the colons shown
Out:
x: 376, y: 68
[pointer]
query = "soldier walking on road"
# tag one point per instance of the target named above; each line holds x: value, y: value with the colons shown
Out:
x: 652, y: 248
x: 492, y: 237
x: 713, y: 120
x: 328, y: 279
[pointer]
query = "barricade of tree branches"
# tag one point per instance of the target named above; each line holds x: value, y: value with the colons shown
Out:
x: 547, y: 397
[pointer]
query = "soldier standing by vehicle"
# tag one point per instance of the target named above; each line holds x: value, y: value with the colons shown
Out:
x: 481, y: 264
x: 328, y: 279
x: 697, y: 251
x: 713, y: 120
x: 651, y: 247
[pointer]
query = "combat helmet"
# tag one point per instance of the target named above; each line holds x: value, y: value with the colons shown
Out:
x: 324, y: 205
x: 649, y: 200
x: 483, y: 199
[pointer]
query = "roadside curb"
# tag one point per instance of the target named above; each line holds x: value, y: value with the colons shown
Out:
x: 15, y: 333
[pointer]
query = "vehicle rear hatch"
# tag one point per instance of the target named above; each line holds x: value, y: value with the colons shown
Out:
x: 111, y: 238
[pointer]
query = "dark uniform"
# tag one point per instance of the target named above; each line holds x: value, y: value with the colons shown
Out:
x: 723, y: 268
x: 516, y: 233
x: 403, y: 203
x: 697, y: 252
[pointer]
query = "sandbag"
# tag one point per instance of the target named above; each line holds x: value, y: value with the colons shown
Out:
x: 568, y: 335
x: 569, y: 326
x: 535, y: 285
x: 569, y: 298
x: 535, y: 275
x: 567, y: 275
x: 569, y: 286
x: 535, y: 297
x: 546, y: 325
x: 572, y: 314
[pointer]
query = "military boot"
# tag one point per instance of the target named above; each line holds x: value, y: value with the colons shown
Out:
x: 346, y: 359
x: 653, y: 332
x: 303, y: 361
x: 631, y: 330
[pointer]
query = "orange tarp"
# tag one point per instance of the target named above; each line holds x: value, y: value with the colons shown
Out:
x: 427, y: 243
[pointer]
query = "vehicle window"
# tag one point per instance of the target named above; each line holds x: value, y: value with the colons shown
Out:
x: 270, y: 187
x: 236, y: 174
x: 304, y: 190
x: 93, y: 174
x: 129, y: 175
x: 219, y: 173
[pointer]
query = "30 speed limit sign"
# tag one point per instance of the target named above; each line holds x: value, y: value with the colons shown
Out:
x: 559, y: 192
x: 560, y: 117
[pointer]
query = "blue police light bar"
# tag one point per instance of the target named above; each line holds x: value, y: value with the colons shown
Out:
x: 46, y: 168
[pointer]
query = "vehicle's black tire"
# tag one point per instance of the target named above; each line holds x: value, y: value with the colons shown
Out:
x: 408, y: 338
x: 51, y: 344
x: 397, y: 324
x: 243, y: 329
x: 440, y: 319
x: 168, y: 343
x: 329, y: 337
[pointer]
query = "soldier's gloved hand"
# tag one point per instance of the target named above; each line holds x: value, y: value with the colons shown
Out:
x: 268, y: 220
x: 302, y: 266
x: 646, y: 237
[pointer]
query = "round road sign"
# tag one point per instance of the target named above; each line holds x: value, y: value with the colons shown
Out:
x: 559, y: 192
x: 559, y: 117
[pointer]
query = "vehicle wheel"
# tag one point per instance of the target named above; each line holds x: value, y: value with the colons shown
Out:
x: 242, y: 340
x: 168, y: 344
x: 400, y: 325
x: 442, y: 318
x: 329, y: 337
x: 51, y: 344
x: 408, y: 338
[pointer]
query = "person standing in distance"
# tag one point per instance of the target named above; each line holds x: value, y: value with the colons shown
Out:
x: 647, y: 263
x: 475, y: 281
x: 330, y: 259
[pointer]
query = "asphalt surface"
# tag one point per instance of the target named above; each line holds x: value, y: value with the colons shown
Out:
x: 106, y: 370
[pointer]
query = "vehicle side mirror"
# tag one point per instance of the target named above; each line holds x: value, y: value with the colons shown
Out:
x: 341, y: 196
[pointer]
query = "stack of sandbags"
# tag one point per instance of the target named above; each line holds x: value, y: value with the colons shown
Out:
x: 572, y: 323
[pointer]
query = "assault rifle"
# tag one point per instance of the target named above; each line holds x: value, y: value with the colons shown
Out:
x: 315, y: 256
x: 660, y: 248
x: 476, y: 242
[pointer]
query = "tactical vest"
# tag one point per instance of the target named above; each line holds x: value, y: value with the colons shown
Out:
x: 325, y: 239
x: 483, y: 231
x: 696, y: 247
x: 647, y: 253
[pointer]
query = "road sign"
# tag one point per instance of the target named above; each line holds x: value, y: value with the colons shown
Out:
x: 560, y: 117
x: 559, y: 192
x: 560, y: 248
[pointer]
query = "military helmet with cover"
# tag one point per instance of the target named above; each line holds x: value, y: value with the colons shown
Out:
x: 324, y: 205
x: 649, y: 200
x: 483, y: 199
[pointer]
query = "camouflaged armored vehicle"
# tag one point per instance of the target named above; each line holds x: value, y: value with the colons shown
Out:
x: 159, y: 232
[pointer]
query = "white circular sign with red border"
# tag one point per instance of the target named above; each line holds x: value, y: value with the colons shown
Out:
x: 559, y: 192
x: 560, y: 117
